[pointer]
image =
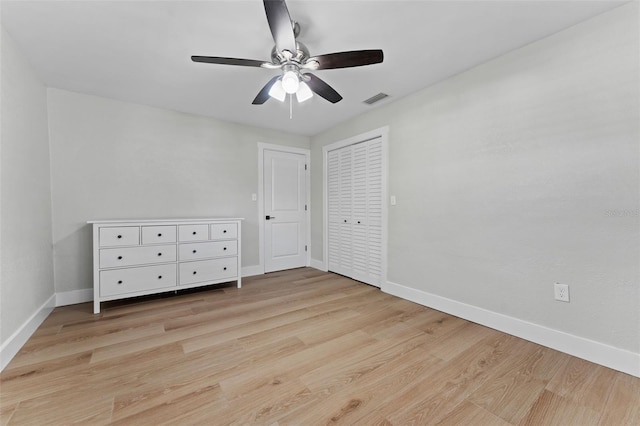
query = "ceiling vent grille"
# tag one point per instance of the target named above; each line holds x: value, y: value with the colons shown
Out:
x: 375, y: 98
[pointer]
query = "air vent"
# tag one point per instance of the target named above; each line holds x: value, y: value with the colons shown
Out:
x: 372, y: 100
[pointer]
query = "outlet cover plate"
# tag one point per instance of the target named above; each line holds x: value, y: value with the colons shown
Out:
x: 561, y: 292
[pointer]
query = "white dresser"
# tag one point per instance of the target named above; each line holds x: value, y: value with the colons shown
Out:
x: 136, y: 258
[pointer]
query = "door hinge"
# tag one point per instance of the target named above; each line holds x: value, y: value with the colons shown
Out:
x: 305, y: 207
x: 305, y: 167
x: 305, y: 248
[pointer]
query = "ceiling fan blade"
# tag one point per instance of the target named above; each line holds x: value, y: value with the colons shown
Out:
x: 356, y: 58
x: 263, y: 95
x: 227, y: 61
x: 322, y: 89
x: 280, y: 25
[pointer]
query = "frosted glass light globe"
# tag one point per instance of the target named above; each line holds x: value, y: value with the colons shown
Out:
x: 290, y: 82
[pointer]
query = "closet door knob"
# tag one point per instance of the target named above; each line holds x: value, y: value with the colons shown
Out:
x: 119, y: 236
x: 119, y: 257
x: 224, y: 232
x: 225, y: 268
x: 195, y: 251
x: 120, y: 282
x: 159, y: 254
x: 160, y: 235
x: 195, y: 272
x: 159, y: 277
x: 194, y: 232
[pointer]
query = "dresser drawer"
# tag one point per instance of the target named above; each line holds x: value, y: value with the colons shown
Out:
x: 131, y: 280
x: 119, y: 236
x: 208, y: 270
x: 194, y: 251
x: 128, y: 256
x: 220, y: 231
x: 158, y: 234
x: 193, y: 232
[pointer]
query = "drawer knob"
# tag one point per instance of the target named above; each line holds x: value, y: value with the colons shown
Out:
x: 120, y: 282
x: 345, y: 221
x: 358, y: 221
x: 119, y: 236
x: 159, y: 277
x: 159, y: 254
x: 160, y: 235
x: 195, y: 251
x: 225, y: 268
x: 194, y: 232
x: 119, y: 257
x: 195, y: 272
x: 224, y: 248
x: 224, y: 232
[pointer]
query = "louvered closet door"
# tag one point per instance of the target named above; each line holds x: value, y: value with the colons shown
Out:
x: 355, y: 209
x: 345, y: 193
x: 359, y: 255
x: 374, y: 211
x: 333, y: 208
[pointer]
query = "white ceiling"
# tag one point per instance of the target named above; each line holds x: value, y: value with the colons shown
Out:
x: 139, y: 51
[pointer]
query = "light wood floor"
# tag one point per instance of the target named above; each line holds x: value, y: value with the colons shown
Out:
x: 298, y: 347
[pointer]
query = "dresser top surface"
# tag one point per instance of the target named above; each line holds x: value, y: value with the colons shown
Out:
x: 183, y: 220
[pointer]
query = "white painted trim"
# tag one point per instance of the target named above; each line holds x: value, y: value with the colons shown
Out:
x: 73, y: 297
x: 590, y: 350
x: 14, y: 343
x: 383, y: 133
x: 292, y: 150
x: 249, y: 271
x: 319, y: 264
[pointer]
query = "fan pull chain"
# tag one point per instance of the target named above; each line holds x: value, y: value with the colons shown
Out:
x: 290, y: 107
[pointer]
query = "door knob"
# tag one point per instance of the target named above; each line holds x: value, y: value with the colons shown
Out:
x: 269, y: 217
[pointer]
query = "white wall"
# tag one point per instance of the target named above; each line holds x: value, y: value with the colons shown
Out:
x: 117, y: 160
x: 26, y: 268
x: 517, y: 174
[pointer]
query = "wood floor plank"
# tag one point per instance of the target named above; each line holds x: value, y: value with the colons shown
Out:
x: 584, y: 383
x: 518, y: 382
x: 297, y: 347
x: 623, y: 404
x: 552, y: 409
x: 469, y: 414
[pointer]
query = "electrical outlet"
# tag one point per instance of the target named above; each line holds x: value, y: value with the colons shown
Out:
x: 561, y: 292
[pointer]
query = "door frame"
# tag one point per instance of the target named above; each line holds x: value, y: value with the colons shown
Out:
x: 383, y: 133
x: 292, y: 150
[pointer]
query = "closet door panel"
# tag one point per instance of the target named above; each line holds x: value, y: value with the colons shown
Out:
x: 345, y: 193
x: 374, y: 209
x: 359, y: 210
x: 333, y: 209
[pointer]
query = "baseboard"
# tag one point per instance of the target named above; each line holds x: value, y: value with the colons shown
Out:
x: 74, y: 296
x: 12, y: 345
x: 249, y: 271
x: 319, y: 264
x: 599, y: 353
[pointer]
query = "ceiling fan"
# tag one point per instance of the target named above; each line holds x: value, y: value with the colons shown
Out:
x: 293, y: 58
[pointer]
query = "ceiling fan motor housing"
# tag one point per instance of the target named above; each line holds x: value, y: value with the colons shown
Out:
x: 301, y: 55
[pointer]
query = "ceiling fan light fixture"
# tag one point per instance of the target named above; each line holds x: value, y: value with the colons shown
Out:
x: 277, y: 91
x: 304, y: 92
x: 290, y: 82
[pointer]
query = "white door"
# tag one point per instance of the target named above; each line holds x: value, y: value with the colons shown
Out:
x: 285, y: 225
